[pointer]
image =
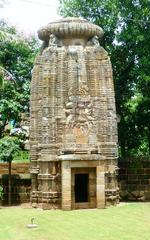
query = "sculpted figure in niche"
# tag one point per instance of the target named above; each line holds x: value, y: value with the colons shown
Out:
x: 93, y: 42
x: 53, y: 40
x: 79, y: 114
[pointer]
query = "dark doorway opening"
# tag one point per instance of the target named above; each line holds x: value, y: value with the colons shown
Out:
x: 81, y: 187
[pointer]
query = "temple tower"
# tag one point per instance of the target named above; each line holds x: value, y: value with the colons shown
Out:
x: 73, y: 137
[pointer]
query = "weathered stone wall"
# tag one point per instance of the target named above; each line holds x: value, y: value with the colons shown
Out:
x: 21, y: 182
x: 17, y: 168
x: 134, y: 179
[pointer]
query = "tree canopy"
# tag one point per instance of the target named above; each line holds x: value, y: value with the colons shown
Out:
x: 127, y: 39
x: 17, y: 54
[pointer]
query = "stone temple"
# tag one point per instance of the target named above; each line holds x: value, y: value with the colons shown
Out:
x: 73, y: 137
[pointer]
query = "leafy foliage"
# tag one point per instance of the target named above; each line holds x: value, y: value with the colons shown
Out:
x: 17, y: 55
x: 21, y: 156
x: 127, y: 38
x: 9, y: 146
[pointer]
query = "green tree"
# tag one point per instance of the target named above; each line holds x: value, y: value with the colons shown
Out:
x: 9, y: 146
x: 127, y: 39
x: 17, y: 55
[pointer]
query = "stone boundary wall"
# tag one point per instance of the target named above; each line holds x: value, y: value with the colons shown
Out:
x: 17, y: 168
x: 134, y: 179
x: 21, y: 182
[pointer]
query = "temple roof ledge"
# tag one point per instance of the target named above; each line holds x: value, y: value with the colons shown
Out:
x: 81, y: 157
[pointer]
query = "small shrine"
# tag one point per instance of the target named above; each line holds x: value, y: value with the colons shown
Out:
x: 73, y: 136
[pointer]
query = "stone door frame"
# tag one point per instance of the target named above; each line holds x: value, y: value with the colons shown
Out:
x: 66, y: 182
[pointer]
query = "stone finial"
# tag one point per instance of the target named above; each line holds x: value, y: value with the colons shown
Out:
x: 70, y: 27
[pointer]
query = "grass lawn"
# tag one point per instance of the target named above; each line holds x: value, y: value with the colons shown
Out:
x: 126, y: 222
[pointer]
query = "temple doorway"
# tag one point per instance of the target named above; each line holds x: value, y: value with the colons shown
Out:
x: 81, y: 188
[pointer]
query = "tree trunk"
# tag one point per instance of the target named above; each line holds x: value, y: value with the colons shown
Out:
x: 9, y: 183
x: 149, y: 140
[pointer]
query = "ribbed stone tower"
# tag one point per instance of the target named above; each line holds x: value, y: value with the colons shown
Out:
x: 73, y: 138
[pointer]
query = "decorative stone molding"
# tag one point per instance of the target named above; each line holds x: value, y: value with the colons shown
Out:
x: 34, y: 170
x: 72, y: 27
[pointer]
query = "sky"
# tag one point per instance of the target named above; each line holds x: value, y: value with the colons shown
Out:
x: 29, y: 15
